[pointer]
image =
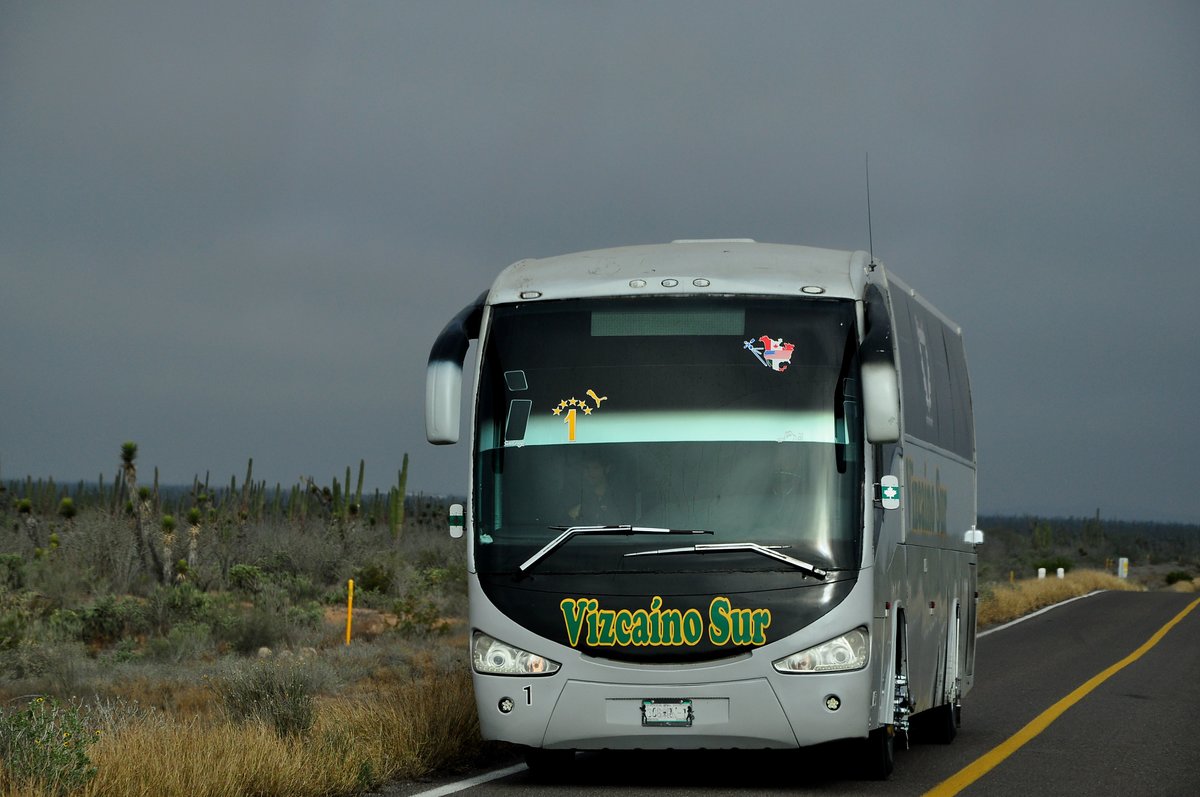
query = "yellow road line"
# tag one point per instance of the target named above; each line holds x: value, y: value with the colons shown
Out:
x: 985, y: 763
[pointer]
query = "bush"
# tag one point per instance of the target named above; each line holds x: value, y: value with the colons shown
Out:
x: 373, y: 578
x: 246, y: 578
x: 109, y: 618
x: 299, y: 588
x: 12, y: 572
x: 416, y: 609
x: 279, y: 694
x: 257, y: 628
x: 46, y: 744
x: 1178, y: 575
x: 16, y: 614
x: 1053, y: 563
x: 178, y: 603
x: 184, y: 642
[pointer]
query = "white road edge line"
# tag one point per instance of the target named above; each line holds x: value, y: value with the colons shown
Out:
x: 457, y: 786
x: 1035, y: 614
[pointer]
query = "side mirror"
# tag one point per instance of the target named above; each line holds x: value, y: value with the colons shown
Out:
x: 443, y: 374
x: 881, y: 402
x: 443, y: 394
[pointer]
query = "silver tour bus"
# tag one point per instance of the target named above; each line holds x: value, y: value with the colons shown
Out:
x: 722, y: 496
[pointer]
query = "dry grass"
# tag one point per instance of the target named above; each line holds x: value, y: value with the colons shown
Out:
x: 1002, y: 603
x: 1186, y: 586
x: 403, y: 730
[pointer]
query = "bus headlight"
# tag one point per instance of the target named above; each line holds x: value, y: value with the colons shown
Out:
x: 493, y: 657
x: 847, y: 652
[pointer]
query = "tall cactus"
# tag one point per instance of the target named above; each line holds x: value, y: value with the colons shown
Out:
x: 129, y: 473
x: 140, y: 500
x: 398, y: 495
x: 193, y: 555
x: 362, y: 466
x: 168, y: 547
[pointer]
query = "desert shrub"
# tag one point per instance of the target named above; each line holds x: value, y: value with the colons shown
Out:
x: 417, y: 609
x: 417, y: 614
x: 246, y: 578
x: 109, y: 618
x: 52, y: 666
x: 1053, y: 563
x: 109, y: 715
x: 307, y: 615
x: 298, y: 587
x: 374, y: 577
x: 125, y: 650
x: 101, y: 550
x: 1177, y: 575
x: 277, y: 693
x: 17, y: 612
x: 45, y: 743
x: 65, y: 624
x: 254, y: 629
x: 185, y: 641
x: 178, y: 603
x: 12, y: 572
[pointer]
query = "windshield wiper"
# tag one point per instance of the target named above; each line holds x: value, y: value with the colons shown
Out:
x: 771, y: 551
x: 571, y: 531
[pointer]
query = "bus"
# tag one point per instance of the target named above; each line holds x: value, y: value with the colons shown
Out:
x: 722, y: 495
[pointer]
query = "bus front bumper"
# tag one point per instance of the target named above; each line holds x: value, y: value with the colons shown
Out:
x: 777, y: 711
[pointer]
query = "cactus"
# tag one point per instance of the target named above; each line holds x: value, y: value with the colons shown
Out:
x: 194, y: 516
x: 358, y: 491
x: 129, y: 452
x: 140, y: 500
x: 402, y: 480
x: 168, y: 544
x: 396, y: 501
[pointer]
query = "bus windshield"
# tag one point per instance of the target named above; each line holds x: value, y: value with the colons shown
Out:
x: 735, y: 416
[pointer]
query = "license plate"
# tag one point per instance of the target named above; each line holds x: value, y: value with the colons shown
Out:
x: 668, y: 713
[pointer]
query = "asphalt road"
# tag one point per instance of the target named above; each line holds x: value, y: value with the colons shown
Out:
x: 1133, y: 734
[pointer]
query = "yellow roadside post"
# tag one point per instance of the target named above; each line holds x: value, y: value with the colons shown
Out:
x: 349, y: 609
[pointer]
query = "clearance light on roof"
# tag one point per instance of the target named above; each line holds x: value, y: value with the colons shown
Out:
x: 531, y: 294
x: 637, y: 283
x: 814, y: 290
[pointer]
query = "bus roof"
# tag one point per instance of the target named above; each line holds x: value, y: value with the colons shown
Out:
x: 686, y: 267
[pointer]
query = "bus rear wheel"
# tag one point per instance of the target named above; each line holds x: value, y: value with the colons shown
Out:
x: 940, y: 725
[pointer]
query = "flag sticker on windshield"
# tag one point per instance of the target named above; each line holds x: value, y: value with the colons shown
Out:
x: 771, y: 352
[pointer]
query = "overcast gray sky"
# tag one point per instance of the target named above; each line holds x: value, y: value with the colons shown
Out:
x: 232, y: 230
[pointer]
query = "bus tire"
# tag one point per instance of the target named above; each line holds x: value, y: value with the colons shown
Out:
x: 548, y: 764
x: 880, y: 753
x: 940, y: 725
